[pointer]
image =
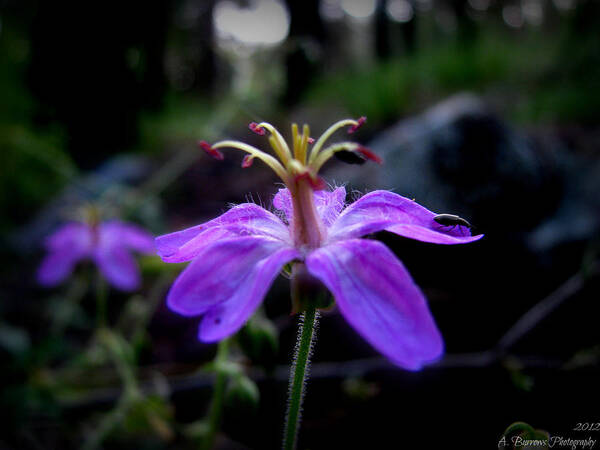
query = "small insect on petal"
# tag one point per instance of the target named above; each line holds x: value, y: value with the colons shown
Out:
x: 360, y: 123
x: 258, y: 130
x: 247, y: 161
x: 211, y: 151
x: 450, y: 220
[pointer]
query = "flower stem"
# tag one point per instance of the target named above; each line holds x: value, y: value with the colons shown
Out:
x: 216, y: 409
x: 298, y: 375
x: 101, y: 294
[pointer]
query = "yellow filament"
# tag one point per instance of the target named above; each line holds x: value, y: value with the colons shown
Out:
x: 279, y: 151
x: 303, y: 144
x: 326, y: 135
x: 295, y: 139
x: 297, y: 167
x: 264, y: 157
x: 285, y: 150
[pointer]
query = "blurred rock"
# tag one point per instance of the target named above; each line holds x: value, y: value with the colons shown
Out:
x: 578, y: 215
x: 458, y: 157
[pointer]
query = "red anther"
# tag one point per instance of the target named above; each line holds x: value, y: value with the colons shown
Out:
x: 311, y: 141
x: 360, y: 122
x: 211, y: 151
x: 368, y: 154
x: 258, y: 130
x: 247, y: 161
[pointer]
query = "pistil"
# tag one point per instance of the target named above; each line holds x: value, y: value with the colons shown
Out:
x: 307, y: 227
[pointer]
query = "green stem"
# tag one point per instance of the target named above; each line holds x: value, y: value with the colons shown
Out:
x: 121, y: 355
x: 216, y: 409
x: 298, y: 374
x: 101, y: 296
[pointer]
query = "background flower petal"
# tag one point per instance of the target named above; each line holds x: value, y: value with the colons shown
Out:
x: 384, y: 210
x: 56, y: 266
x: 233, y: 274
x: 128, y: 235
x: 72, y: 235
x: 118, y: 266
x: 247, y: 219
x: 378, y: 297
x: 68, y: 245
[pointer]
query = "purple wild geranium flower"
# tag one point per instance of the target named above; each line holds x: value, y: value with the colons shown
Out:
x: 236, y: 256
x: 108, y: 244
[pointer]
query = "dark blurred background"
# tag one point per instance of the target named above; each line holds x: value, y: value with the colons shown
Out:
x: 483, y: 108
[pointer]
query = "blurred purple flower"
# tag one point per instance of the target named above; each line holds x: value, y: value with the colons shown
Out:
x: 236, y: 257
x: 108, y: 244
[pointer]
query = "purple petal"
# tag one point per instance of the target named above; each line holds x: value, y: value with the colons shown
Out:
x: 128, y: 235
x: 384, y: 210
x: 378, y: 297
x: 118, y: 266
x: 328, y: 203
x: 56, y: 266
x: 72, y: 234
x: 227, y: 281
x: 283, y: 202
x: 68, y: 245
x: 246, y: 219
x: 169, y: 244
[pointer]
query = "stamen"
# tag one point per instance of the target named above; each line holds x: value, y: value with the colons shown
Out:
x: 295, y: 140
x: 211, y: 150
x: 327, y: 134
x: 279, y: 151
x: 368, y: 154
x: 353, y: 147
x: 311, y: 141
x: 258, y: 130
x: 359, y: 123
x: 255, y: 153
x: 286, y: 153
x: 303, y: 144
x: 247, y: 161
x: 305, y: 136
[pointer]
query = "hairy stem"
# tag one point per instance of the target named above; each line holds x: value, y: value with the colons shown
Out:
x: 298, y: 376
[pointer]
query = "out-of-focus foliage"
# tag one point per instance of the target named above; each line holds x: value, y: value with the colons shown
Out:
x: 34, y: 164
x: 147, y: 382
x: 530, y: 76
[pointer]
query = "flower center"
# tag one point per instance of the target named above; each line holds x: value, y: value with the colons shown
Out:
x: 298, y: 168
x: 91, y: 215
